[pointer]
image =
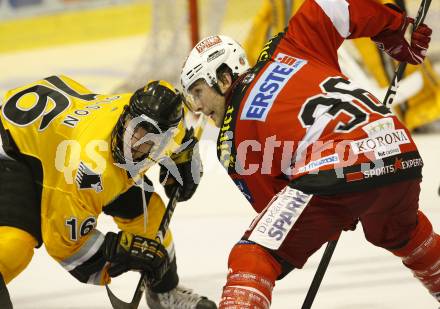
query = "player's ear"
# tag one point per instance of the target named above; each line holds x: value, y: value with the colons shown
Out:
x: 224, y: 81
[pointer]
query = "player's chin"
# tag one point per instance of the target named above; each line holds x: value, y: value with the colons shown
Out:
x: 212, y: 117
x: 218, y: 121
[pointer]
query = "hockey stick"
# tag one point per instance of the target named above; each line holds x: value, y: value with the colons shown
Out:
x: 319, y: 274
x: 391, y: 92
x: 118, y: 303
x: 134, y: 304
x: 163, y: 227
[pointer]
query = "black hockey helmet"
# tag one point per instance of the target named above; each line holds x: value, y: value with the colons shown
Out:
x: 158, y: 104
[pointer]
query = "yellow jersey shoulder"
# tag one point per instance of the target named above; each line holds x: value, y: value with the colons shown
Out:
x: 56, y: 120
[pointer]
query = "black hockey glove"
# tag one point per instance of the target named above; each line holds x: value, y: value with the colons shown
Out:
x: 126, y: 251
x: 185, y: 170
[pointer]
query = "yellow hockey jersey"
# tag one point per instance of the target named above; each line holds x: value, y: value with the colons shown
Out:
x: 68, y: 129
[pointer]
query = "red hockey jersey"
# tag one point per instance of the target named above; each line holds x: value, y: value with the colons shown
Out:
x: 295, y: 118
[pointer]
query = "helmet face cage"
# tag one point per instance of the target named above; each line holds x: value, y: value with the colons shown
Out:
x: 125, y: 143
x: 155, y: 137
x: 117, y: 138
x: 157, y: 109
x: 208, y: 55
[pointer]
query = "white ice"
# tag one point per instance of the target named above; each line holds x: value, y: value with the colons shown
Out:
x: 359, y: 276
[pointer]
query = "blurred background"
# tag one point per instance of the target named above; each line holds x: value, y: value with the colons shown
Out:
x: 117, y: 45
x: 114, y: 46
x: 110, y: 45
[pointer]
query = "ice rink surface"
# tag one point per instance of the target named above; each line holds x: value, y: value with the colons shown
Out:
x: 360, y: 276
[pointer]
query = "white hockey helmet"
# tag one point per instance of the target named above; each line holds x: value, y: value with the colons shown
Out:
x: 208, y: 55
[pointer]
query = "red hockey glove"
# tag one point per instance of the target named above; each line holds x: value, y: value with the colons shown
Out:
x: 395, y: 44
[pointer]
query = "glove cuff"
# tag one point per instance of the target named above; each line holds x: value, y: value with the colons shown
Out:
x: 168, y: 282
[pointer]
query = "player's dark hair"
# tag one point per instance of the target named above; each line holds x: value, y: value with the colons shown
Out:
x: 225, y: 69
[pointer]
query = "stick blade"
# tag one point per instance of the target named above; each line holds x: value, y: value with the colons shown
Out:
x: 120, y: 304
x: 117, y: 303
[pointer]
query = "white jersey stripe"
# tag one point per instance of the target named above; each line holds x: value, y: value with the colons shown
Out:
x: 88, y: 249
x: 96, y: 277
x: 337, y: 11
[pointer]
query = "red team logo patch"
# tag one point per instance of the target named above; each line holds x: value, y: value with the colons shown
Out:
x: 208, y: 43
x: 286, y: 59
x: 269, y: 85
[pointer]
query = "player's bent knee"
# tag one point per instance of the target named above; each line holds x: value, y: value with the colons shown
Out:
x: 251, y: 277
x: 422, y: 232
x: 17, y: 251
x: 422, y: 255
